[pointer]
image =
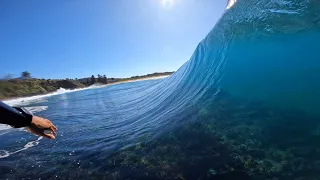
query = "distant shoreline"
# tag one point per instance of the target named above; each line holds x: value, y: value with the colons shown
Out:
x: 102, y: 85
x: 135, y: 80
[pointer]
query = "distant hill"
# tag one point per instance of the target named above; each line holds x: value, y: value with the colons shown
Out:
x: 28, y: 87
x: 21, y: 87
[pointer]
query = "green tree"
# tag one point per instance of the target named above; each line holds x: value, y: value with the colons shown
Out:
x: 25, y: 75
x: 105, y: 80
x: 93, y: 79
x: 99, y: 78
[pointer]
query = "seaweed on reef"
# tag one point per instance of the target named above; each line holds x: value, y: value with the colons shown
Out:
x: 271, y: 143
x: 190, y: 152
x: 228, y: 140
x: 223, y: 139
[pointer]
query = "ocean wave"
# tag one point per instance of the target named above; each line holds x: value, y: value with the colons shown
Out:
x: 243, y: 104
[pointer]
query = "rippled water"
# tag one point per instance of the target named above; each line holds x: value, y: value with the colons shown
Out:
x: 245, y: 106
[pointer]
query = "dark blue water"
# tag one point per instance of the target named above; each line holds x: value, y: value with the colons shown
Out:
x: 245, y: 106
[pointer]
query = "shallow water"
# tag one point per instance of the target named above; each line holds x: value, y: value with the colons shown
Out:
x: 245, y: 106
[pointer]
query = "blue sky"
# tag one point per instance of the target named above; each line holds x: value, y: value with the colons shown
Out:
x: 119, y: 38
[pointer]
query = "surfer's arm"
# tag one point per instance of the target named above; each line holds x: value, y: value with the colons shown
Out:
x: 19, y: 117
x: 16, y: 117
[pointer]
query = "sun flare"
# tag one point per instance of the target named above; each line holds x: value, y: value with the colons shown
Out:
x: 167, y: 3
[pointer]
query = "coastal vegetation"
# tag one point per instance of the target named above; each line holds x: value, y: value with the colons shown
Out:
x: 26, y: 85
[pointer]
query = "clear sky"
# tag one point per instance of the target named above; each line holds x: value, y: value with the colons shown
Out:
x: 119, y: 38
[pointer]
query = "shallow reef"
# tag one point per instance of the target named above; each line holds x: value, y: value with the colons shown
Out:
x: 227, y: 141
x: 223, y: 139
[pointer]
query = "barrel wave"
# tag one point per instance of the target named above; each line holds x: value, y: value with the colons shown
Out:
x: 245, y: 106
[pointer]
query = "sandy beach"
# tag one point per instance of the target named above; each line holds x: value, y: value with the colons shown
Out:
x: 142, y: 79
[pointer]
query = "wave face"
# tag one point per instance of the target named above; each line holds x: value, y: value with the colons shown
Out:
x: 263, y: 51
x: 245, y: 106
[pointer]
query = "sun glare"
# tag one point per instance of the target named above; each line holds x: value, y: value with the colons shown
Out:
x: 167, y: 3
x: 231, y: 3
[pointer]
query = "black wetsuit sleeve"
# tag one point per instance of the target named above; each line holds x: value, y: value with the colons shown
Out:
x: 15, y: 117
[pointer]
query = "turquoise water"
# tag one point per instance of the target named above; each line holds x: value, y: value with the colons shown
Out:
x: 245, y: 106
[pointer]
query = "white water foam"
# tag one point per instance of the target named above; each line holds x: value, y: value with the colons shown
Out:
x: 4, y: 127
x: 35, y: 109
x: 4, y: 153
x: 39, y: 98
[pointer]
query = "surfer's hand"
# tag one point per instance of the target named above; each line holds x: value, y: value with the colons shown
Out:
x: 39, y: 125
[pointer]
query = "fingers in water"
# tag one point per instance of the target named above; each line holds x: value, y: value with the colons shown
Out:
x: 53, y: 131
x: 54, y: 127
x: 47, y: 135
